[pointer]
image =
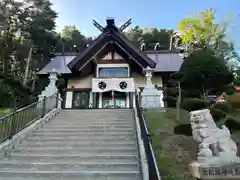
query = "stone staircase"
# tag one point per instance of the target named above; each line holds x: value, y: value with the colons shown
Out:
x: 97, y: 144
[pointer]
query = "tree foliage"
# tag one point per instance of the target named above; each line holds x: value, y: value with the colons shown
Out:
x: 150, y: 36
x: 203, y: 71
x: 23, y: 25
x: 204, y: 33
x: 72, y: 39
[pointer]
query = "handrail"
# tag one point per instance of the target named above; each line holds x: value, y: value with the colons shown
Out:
x: 151, y: 160
x: 19, y: 119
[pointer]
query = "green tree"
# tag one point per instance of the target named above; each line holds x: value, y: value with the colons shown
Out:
x: 204, y: 33
x: 150, y: 36
x: 236, y: 74
x: 205, y: 72
x: 72, y: 38
x: 24, y: 25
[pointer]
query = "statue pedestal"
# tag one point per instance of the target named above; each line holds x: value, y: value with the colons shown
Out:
x: 217, y: 154
x: 217, y: 171
x: 151, y: 98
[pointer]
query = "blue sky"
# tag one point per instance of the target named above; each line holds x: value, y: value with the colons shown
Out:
x: 144, y: 13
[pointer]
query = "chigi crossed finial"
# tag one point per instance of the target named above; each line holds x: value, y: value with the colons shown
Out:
x: 110, y: 21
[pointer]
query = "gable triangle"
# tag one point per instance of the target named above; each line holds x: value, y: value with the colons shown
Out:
x: 117, y: 56
x: 108, y: 56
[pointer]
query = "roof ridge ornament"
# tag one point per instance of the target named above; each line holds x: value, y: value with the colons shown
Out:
x: 110, y: 21
x: 125, y: 25
x: 157, y: 45
x: 98, y: 26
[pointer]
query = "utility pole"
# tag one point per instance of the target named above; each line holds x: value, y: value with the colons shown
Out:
x: 27, y: 66
x: 178, y: 101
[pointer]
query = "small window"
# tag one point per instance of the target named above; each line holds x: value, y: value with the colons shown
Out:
x: 113, y: 72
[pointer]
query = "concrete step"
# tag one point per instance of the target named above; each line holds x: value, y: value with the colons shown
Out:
x: 96, y: 117
x: 69, y: 166
x: 83, y: 123
x: 85, y: 130
x: 97, y: 111
x: 77, y: 144
x: 93, y: 119
x: 72, y: 175
x: 77, y: 134
x: 91, y: 126
x: 81, y: 138
x: 65, y: 141
x: 118, y: 115
x: 104, y: 117
x: 70, y: 158
x: 101, y: 115
x: 74, y: 150
x: 75, y: 153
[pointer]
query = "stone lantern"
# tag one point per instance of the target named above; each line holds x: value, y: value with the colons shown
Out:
x: 151, y: 97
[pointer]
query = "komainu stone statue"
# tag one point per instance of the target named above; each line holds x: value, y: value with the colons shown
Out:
x: 215, y: 144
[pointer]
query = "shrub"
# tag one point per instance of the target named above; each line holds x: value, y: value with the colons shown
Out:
x: 171, y: 101
x: 183, y: 129
x: 225, y: 107
x: 171, y: 83
x: 234, y: 101
x: 172, y: 91
x: 232, y: 123
x: 192, y: 104
x: 217, y: 114
x: 228, y: 89
x: 187, y: 93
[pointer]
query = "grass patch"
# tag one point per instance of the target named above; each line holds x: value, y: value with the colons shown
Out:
x: 173, y: 145
x: 4, y: 111
x: 173, y: 151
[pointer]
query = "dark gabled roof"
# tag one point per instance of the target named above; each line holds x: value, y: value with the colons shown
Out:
x: 111, y: 34
x: 136, y: 53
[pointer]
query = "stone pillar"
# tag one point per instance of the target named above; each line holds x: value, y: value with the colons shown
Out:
x: 134, y: 99
x: 69, y: 99
x: 100, y: 100
x: 90, y: 99
x: 127, y: 100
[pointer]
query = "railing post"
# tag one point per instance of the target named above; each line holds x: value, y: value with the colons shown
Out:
x: 57, y: 99
x: 13, y: 121
x: 44, y: 106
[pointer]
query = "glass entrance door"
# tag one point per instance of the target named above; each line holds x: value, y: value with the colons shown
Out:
x: 114, y: 100
x: 80, y: 100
